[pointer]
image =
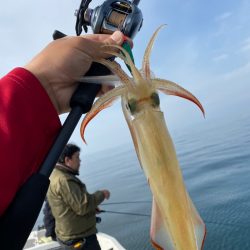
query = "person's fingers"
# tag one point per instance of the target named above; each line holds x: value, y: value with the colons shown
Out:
x: 108, y: 194
x: 116, y: 38
x: 92, y: 44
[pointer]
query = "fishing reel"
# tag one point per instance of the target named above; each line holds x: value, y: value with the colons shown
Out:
x: 112, y: 15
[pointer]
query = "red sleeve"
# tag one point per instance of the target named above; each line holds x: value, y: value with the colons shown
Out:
x: 29, y: 124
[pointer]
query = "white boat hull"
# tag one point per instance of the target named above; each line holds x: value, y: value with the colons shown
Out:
x: 38, y: 241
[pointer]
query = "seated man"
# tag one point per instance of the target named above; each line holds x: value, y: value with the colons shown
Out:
x: 73, y: 207
x: 49, y: 221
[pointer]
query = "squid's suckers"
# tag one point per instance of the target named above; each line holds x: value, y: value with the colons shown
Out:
x: 175, y: 223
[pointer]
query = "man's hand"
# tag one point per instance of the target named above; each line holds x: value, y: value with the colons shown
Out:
x: 61, y: 64
x: 106, y: 194
x: 98, y: 210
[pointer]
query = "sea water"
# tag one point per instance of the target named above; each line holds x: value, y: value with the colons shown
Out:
x: 215, y: 163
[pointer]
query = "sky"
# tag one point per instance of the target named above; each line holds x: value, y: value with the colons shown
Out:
x: 205, y: 48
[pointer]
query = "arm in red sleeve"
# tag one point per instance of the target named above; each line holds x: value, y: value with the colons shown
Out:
x: 29, y: 125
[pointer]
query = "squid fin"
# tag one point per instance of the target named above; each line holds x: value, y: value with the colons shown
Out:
x: 160, y: 233
x: 199, y: 225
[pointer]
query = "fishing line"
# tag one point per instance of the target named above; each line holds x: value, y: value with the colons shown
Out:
x: 226, y: 224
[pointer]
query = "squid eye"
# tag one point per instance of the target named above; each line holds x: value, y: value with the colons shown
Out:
x: 132, y: 104
x: 155, y: 99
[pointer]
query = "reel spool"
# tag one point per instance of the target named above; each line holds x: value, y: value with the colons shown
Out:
x: 112, y: 15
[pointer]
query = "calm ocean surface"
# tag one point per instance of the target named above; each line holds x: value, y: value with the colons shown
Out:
x: 215, y: 162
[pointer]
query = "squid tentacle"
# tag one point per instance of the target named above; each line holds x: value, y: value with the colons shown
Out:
x: 102, y: 102
x: 145, y: 61
x: 115, y: 53
x: 106, y: 80
x: 135, y: 72
x: 172, y: 88
x: 116, y: 69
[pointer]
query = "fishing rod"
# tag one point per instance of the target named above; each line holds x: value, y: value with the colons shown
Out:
x: 125, y: 213
x: 148, y: 215
x: 125, y: 202
x: 19, y: 219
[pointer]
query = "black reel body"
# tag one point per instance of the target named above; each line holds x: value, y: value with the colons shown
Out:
x: 112, y: 15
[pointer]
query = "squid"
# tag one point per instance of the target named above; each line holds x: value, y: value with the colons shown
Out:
x: 175, y: 222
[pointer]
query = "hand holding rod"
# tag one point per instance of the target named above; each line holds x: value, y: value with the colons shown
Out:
x: 19, y: 219
x: 81, y: 102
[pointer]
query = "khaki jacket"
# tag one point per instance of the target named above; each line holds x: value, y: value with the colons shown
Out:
x: 72, y: 206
